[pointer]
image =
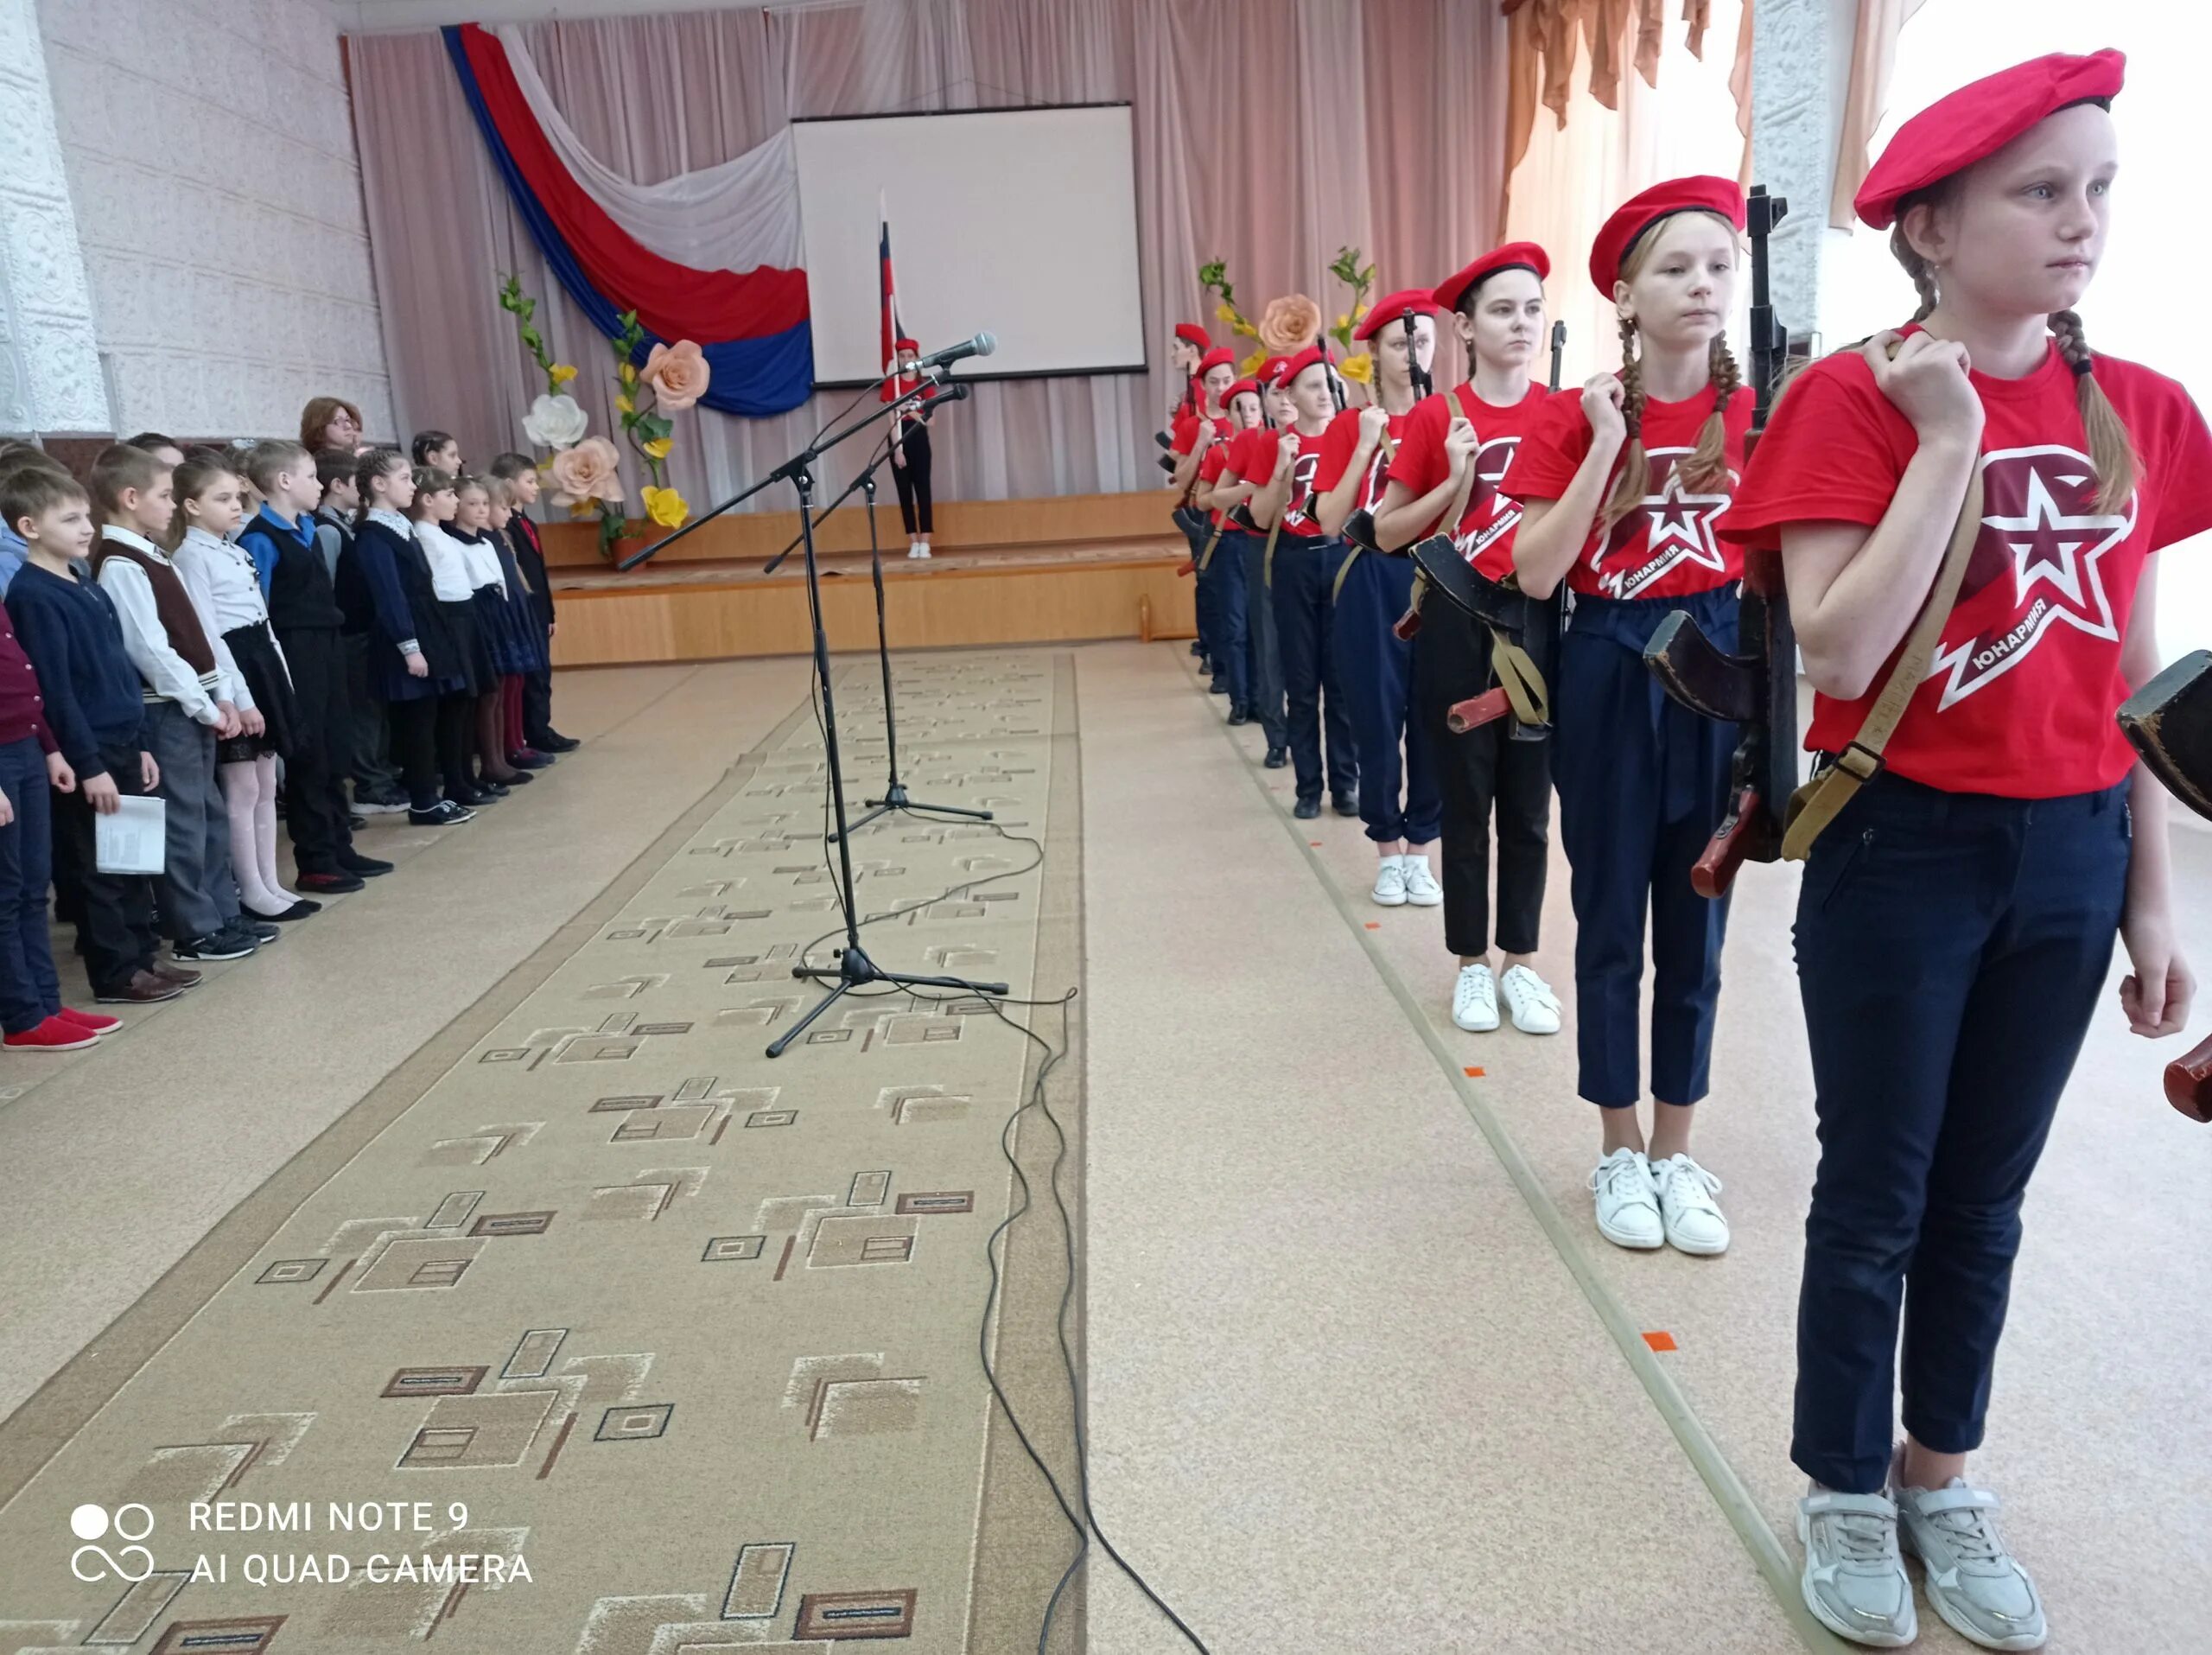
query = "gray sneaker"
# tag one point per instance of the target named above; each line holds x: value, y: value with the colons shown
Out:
x: 1854, y: 1581
x: 1976, y: 1585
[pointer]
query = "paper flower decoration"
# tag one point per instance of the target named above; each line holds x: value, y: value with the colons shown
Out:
x: 555, y: 421
x: 678, y: 374
x: 1290, y: 323
x: 665, y: 506
x: 1361, y: 368
x: 589, y: 471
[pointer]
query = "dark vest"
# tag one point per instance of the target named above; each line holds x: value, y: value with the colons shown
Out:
x: 171, y: 602
x: 301, y: 597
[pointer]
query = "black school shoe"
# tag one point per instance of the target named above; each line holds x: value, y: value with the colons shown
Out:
x: 1307, y: 809
x: 1277, y: 757
x: 1346, y: 801
x: 1218, y: 687
x: 362, y: 867
x: 300, y: 910
x: 336, y: 883
x: 1239, y: 713
x: 552, y: 741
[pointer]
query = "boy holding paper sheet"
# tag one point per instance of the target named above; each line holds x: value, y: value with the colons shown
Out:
x: 94, y: 707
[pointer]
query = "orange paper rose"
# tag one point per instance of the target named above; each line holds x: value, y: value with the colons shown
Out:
x: 589, y: 471
x: 677, y: 374
x: 1290, y: 324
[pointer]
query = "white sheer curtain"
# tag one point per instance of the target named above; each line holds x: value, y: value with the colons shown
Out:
x: 1572, y: 178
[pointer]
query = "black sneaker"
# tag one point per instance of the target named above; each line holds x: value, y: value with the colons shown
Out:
x: 1346, y: 801
x: 260, y: 930
x: 331, y: 884
x: 444, y: 813
x: 372, y: 803
x: 363, y: 867
x: 1307, y: 809
x: 216, y: 945
x: 554, y: 742
x: 1277, y: 757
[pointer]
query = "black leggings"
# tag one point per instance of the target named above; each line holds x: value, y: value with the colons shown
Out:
x: 913, y: 479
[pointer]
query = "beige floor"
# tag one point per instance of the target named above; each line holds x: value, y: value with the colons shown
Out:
x: 1362, y: 1379
x: 1343, y: 1379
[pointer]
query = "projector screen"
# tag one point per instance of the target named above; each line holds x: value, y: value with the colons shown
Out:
x: 1022, y: 223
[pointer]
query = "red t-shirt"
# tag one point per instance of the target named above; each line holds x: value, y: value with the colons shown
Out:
x: 1667, y: 546
x: 1297, y: 518
x: 1339, y: 442
x: 1183, y: 434
x: 1211, y: 468
x: 1484, y: 533
x: 899, y: 386
x: 2020, y: 698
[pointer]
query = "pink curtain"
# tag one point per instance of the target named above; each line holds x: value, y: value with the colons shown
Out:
x: 1267, y: 134
x: 1873, y: 55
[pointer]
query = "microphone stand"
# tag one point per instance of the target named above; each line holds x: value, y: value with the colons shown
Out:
x: 853, y: 970
x: 894, y: 791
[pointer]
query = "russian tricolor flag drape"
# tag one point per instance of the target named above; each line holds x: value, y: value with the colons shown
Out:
x: 752, y: 321
x: 890, y: 289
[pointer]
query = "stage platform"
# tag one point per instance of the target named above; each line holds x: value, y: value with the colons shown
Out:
x: 1079, y: 567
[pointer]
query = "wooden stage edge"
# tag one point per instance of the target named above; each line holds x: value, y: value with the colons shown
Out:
x: 1078, y: 569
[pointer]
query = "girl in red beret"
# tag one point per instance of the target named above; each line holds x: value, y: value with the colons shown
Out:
x: 910, y: 447
x: 1400, y: 803
x: 1246, y: 469
x: 1195, y: 436
x: 1623, y: 484
x: 1455, y: 450
x: 1956, y: 918
x: 1305, y: 562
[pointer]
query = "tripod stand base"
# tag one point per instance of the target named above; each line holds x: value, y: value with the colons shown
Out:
x: 854, y: 970
x: 894, y: 798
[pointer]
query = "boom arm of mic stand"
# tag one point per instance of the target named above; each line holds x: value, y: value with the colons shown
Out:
x: 823, y: 516
x: 803, y: 461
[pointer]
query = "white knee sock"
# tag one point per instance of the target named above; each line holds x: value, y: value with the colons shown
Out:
x: 265, y: 828
x: 241, y: 787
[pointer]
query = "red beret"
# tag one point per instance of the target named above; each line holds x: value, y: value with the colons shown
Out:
x: 1271, y: 370
x: 1976, y: 121
x: 1191, y: 334
x: 1239, y: 389
x: 1293, y: 366
x: 907, y: 345
x: 1394, y: 308
x: 1515, y: 255
x: 1219, y: 357
x: 1620, y: 232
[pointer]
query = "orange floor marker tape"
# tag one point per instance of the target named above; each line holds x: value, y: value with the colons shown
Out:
x: 1375, y: 925
x: 1660, y: 1341
x: 1474, y: 1074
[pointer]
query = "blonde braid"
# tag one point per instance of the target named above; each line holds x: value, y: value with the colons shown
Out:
x: 1922, y: 273
x: 1633, y: 481
x: 1707, y: 465
x: 2112, y: 452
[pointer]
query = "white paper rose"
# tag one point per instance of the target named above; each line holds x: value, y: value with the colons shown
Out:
x: 555, y: 422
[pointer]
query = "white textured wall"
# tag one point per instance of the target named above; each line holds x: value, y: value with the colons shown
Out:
x: 210, y: 156
x: 49, y: 363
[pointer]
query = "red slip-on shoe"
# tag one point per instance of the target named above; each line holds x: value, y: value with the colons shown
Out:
x: 52, y: 1036
x: 95, y: 1024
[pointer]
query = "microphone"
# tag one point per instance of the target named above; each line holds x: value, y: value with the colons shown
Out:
x: 982, y: 344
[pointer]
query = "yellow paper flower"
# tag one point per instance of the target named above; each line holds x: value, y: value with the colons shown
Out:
x: 1243, y: 326
x: 1251, y: 364
x: 560, y: 373
x: 628, y: 373
x: 1360, y: 314
x: 666, y: 507
x: 658, y: 447
x: 1361, y: 368
x: 1225, y: 311
x: 1344, y: 322
x: 622, y: 401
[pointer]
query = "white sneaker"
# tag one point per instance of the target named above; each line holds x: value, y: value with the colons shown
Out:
x: 1976, y: 1584
x: 1693, y: 1224
x: 1853, y: 1579
x: 1474, y: 999
x: 1530, y: 999
x: 1628, y: 1204
x: 1421, y: 889
x: 1389, y: 882
x: 921, y: 549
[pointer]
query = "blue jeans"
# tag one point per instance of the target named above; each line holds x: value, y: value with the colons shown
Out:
x: 1951, y: 950
x: 30, y: 992
x: 1304, y: 576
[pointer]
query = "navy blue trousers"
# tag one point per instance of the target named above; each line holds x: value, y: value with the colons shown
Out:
x: 1192, y: 522
x: 1399, y: 799
x: 1951, y: 949
x: 1221, y: 584
x: 1643, y: 783
x: 29, y: 990
x: 1262, y: 649
x: 1305, y: 570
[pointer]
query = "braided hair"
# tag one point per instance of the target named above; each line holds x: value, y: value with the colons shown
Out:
x: 1705, y: 467
x: 2112, y: 452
